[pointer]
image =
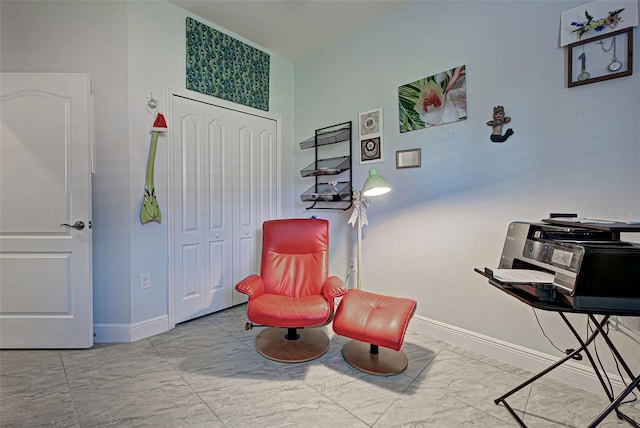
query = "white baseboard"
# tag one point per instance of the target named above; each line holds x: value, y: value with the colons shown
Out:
x: 116, y: 333
x: 571, y: 372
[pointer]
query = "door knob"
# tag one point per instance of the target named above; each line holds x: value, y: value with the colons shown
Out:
x: 78, y: 225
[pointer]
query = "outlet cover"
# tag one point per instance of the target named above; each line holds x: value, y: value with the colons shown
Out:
x: 145, y: 280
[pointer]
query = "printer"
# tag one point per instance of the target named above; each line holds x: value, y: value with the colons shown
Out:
x: 586, y: 263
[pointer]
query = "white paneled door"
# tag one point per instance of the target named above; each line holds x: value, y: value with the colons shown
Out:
x: 255, y: 191
x: 201, y: 209
x: 223, y: 185
x: 45, y: 211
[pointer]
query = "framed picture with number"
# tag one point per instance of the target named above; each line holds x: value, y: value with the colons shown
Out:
x: 604, y: 57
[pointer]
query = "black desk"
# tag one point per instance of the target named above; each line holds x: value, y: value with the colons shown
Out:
x: 561, y: 308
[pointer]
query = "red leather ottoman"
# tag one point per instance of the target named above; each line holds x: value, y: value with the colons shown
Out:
x: 374, y: 320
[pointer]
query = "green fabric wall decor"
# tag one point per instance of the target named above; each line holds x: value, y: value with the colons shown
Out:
x: 224, y: 67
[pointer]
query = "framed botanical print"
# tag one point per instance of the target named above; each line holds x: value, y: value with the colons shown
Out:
x: 434, y: 100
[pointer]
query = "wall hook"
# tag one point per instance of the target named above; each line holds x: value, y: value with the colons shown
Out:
x: 152, y: 103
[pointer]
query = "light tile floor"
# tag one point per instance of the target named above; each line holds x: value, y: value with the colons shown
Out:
x: 207, y: 373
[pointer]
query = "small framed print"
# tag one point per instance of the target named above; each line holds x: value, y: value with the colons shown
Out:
x: 408, y: 158
x: 370, y: 122
x: 370, y: 131
x: 370, y: 150
x: 604, y: 57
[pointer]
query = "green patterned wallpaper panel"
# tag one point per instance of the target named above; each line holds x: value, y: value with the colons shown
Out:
x: 224, y: 67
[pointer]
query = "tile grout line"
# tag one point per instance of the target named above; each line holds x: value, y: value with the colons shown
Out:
x: 66, y: 377
x: 185, y: 381
x: 407, y: 387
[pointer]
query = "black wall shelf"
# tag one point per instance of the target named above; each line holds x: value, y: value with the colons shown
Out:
x: 326, y: 169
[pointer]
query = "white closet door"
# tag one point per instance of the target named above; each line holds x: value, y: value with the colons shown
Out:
x: 255, y: 191
x: 224, y: 184
x: 201, y: 214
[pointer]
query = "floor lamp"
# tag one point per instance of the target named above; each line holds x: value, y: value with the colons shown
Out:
x: 375, y: 185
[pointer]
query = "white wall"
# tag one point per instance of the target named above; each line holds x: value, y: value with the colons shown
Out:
x: 574, y: 150
x: 130, y: 49
x: 87, y: 37
x: 156, y: 59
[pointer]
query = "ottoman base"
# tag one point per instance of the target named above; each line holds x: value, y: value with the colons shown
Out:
x: 386, y: 362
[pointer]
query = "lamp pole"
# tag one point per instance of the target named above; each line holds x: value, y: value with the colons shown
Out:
x: 359, y: 282
x: 373, y: 186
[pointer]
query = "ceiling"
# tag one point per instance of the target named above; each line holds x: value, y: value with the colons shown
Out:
x: 291, y: 28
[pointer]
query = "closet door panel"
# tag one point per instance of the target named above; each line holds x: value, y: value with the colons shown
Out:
x: 217, y: 271
x: 190, y: 283
x: 267, y: 170
x: 246, y: 180
x: 244, y: 209
x: 187, y: 219
x: 255, y: 190
x: 218, y: 268
x: 217, y: 179
x: 190, y: 155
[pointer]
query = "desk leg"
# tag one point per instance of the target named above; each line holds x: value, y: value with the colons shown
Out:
x: 614, y: 402
x: 586, y: 351
x: 502, y: 399
x: 614, y: 405
x: 634, y: 384
x: 614, y: 350
x: 558, y: 363
x: 583, y: 347
x: 513, y: 413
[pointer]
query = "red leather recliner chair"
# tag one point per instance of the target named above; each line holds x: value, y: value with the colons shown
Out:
x: 293, y: 291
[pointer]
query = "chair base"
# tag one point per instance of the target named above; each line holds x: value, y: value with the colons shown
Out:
x: 273, y: 344
x: 386, y: 362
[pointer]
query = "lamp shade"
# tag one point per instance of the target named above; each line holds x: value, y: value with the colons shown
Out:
x: 375, y: 184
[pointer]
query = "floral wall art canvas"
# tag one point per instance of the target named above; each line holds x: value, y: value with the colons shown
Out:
x: 434, y: 100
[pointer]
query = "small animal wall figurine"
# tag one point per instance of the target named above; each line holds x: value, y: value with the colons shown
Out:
x: 499, y: 120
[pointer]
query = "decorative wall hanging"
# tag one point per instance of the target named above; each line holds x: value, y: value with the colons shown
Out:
x: 499, y: 120
x: 151, y: 104
x: 150, y: 211
x: 605, y: 57
x: 597, y: 19
x: 370, y: 129
x: 408, y: 158
x: 611, y: 20
x: 227, y: 68
x: 434, y: 100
